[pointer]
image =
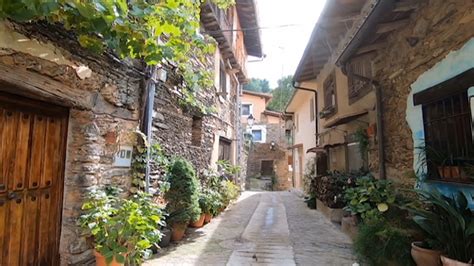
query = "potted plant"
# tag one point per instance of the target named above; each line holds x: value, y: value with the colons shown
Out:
x: 182, y: 197
x: 448, y: 223
x: 122, y: 230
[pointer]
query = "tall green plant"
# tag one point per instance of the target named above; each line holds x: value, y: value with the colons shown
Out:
x: 183, y: 195
x: 448, y: 223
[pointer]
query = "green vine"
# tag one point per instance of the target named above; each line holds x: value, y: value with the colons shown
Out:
x: 156, y: 31
x: 362, y: 137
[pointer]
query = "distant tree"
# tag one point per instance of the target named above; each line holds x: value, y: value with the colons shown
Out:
x: 258, y: 85
x: 281, y: 94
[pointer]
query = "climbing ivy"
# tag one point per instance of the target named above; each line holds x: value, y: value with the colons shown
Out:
x: 153, y: 30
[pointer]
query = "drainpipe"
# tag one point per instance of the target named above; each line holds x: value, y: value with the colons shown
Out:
x: 380, y: 134
x: 147, y: 123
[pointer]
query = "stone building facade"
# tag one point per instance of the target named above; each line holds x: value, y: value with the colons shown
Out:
x: 101, y: 100
x: 90, y: 109
x: 268, y: 155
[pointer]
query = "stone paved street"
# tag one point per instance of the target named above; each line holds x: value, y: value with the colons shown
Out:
x: 265, y: 228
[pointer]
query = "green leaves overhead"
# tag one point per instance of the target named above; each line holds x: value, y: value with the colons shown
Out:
x: 153, y: 30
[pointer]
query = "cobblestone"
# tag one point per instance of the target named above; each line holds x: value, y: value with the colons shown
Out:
x: 262, y: 228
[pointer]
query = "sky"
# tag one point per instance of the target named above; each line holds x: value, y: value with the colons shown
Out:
x: 283, y: 45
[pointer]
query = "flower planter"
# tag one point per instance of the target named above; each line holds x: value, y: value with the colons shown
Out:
x: 100, y: 260
x: 349, y: 226
x: 335, y: 215
x: 423, y: 256
x: 199, y: 223
x: 207, y: 218
x: 450, y: 262
x: 178, y: 230
x: 166, y: 238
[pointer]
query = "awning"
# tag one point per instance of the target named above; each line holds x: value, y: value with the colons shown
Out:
x: 344, y: 119
x: 316, y: 150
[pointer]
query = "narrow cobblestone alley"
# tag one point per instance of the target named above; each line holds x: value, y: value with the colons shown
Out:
x: 271, y: 228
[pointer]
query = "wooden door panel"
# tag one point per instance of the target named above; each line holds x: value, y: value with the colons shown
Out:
x: 10, y: 124
x: 32, y: 151
x: 52, y: 151
x: 3, y: 179
x: 30, y: 226
x: 37, y: 152
x: 3, y: 219
x: 44, y: 235
x: 22, y: 148
x: 14, y: 230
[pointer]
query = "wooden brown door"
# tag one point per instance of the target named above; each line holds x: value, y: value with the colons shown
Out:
x: 32, y: 150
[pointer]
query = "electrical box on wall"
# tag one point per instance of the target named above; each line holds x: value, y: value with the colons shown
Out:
x: 123, y: 158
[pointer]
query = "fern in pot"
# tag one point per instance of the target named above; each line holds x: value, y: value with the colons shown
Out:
x: 122, y: 230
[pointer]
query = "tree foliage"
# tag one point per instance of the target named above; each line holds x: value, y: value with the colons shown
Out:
x: 258, y: 85
x: 281, y: 94
x: 153, y: 30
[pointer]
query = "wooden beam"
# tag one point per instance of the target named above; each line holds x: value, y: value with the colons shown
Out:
x: 391, y: 26
x: 405, y: 6
x: 41, y: 87
x: 371, y: 47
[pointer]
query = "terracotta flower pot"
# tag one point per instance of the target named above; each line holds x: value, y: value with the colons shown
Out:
x: 207, y: 218
x: 178, y: 231
x: 199, y: 223
x: 100, y: 260
x: 423, y: 256
x: 450, y: 262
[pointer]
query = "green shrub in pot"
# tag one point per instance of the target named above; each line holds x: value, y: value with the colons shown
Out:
x: 448, y: 223
x: 369, y: 198
x: 183, y: 193
x: 122, y: 229
x: 210, y: 201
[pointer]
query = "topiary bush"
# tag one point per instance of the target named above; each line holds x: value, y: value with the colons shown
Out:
x: 183, y: 194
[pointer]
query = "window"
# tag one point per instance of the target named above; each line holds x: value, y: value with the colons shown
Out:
x: 361, y: 66
x: 447, y: 122
x: 329, y: 96
x: 196, y: 133
x: 257, y: 135
x: 246, y: 109
x: 355, y: 161
x: 224, y: 149
x: 311, y: 109
x: 222, y: 79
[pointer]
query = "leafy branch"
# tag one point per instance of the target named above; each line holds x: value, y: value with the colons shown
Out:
x: 156, y: 31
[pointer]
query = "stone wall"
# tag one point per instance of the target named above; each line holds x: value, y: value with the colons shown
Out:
x: 436, y: 28
x: 103, y: 97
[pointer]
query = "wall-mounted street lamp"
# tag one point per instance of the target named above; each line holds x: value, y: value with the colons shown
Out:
x: 272, y: 145
x: 250, y: 121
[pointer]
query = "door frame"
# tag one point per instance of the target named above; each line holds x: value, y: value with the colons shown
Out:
x: 21, y: 103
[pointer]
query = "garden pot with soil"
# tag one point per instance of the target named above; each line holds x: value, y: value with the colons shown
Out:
x: 450, y: 262
x: 100, y: 260
x: 207, y: 218
x: 178, y: 230
x: 199, y: 222
x: 423, y: 256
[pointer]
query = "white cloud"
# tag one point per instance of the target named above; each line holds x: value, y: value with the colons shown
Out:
x: 283, y: 45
